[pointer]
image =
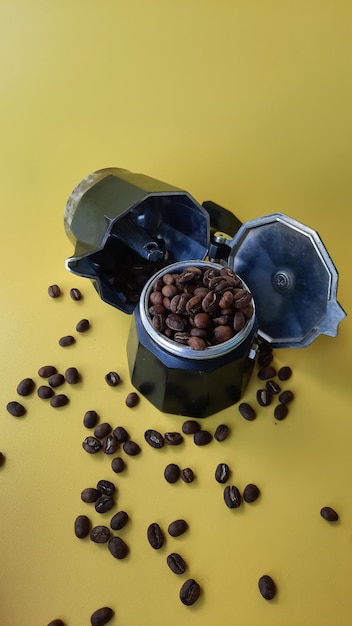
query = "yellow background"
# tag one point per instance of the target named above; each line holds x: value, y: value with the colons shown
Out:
x: 246, y: 103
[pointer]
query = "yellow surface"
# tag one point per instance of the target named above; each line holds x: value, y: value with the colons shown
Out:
x: 244, y: 103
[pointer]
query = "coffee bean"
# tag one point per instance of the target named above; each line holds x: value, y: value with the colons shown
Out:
x: 155, y: 536
x: 284, y: 373
x: 59, y: 400
x: 222, y: 431
x: 75, y: 294
x: 273, y: 387
x: 190, y: 427
x: 154, y: 438
x: 202, y: 437
x: 222, y: 473
x: 177, y: 528
x: 280, y: 412
x: 247, y: 411
x: 187, y: 475
x: 121, y: 434
x: 2, y: 459
x: 102, y: 616
x: 106, y: 487
x: 172, y: 473
x: 104, y: 504
x: 90, y: 495
x: 44, y: 392
x: 119, y: 520
x: 131, y: 448
x: 266, y: 372
x: 189, y: 592
x: 232, y: 497
x: 112, y: 379
x: 132, y: 399
x: 100, y: 534
x: 56, y: 622
x: 197, y: 343
x: 264, y: 397
x: 46, y: 371
x: 25, y: 387
x: 67, y: 340
x: 82, y: 526
x: 329, y: 514
x: 72, y: 376
x: 251, y: 493
x: 110, y: 444
x: 173, y: 438
x: 286, y: 397
x: 54, y: 291
x: 118, y: 465
x: 176, y: 563
x: 102, y: 430
x: 82, y: 326
x: 16, y: 408
x: 267, y: 587
x: 90, y: 419
x: 265, y: 359
x: 91, y: 445
x: 118, y: 548
x: 56, y: 380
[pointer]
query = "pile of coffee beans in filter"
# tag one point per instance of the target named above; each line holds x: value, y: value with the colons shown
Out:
x: 100, y: 499
x: 200, y: 306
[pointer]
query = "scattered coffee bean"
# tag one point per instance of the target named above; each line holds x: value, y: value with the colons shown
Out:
x: 118, y: 548
x: 247, y: 411
x: 110, y: 444
x: 286, y: 397
x: 56, y: 380
x: 54, y: 291
x: 82, y: 326
x: 75, y: 294
x: 102, y: 430
x: 266, y: 372
x: 190, y: 427
x: 91, y: 445
x: 202, y: 437
x: 59, y: 400
x: 329, y: 514
x: 265, y: 358
x: 119, y: 520
x: 131, y: 448
x: 2, y: 459
x: 187, y: 475
x: 56, y: 622
x: 132, y: 399
x: 90, y: 495
x: 189, y: 592
x: 72, y: 376
x: 106, y: 487
x: 44, y: 392
x: 118, y: 465
x: 90, y: 419
x: 154, y: 438
x: 222, y: 431
x: 46, y: 371
x: 177, y: 528
x: 102, y: 616
x: 273, y: 387
x: 104, y: 504
x: 284, y: 373
x: 67, y: 340
x: 172, y: 473
x: 176, y: 563
x: 16, y: 409
x: 112, y: 379
x: 82, y: 526
x: 267, y: 587
x: 251, y: 493
x: 232, y: 497
x: 280, y: 412
x: 121, y: 434
x: 25, y: 387
x: 155, y: 536
x: 173, y: 438
x: 100, y: 534
x: 264, y: 397
x: 222, y: 473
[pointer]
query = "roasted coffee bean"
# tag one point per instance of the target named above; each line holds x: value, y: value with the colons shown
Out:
x: 202, y: 437
x: 132, y: 399
x: 329, y: 514
x: 56, y: 622
x: 267, y: 587
x: 118, y: 465
x: 175, y: 322
x: 264, y: 397
x: 286, y: 397
x: 284, y: 373
x: 197, y: 343
x: 280, y: 412
x: 176, y: 563
x: 46, y: 371
x: 59, y: 400
x: 100, y: 534
x: 112, y: 379
x: 247, y: 411
x: 251, y: 493
x: 91, y: 445
x: 189, y: 427
x: 239, y: 321
x: 82, y: 526
x: 155, y: 536
x: 118, y: 548
x: 25, y: 386
x: 66, y: 340
x: 222, y: 473
x: 273, y: 387
x: 106, y: 487
x: 173, y: 438
x: 232, y: 497
x: 121, y: 434
x: 102, y: 430
x: 110, y: 444
x: 75, y: 294
x: 16, y: 408
x: 54, y: 291
x: 222, y: 431
x: 90, y: 419
x: 187, y: 475
x: 266, y: 372
x: 104, y: 504
x: 72, y: 376
x: 82, y: 326
x: 119, y: 520
x: 172, y: 473
x: 44, y: 392
x: 154, y: 438
x: 102, y: 616
x: 265, y: 358
x: 131, y: 448
x: 222, y: 333
x: 90, y: 495
x: 177, y: 528
x: 56, y: 380
x: 181, y: 337
x: 189, y: 592
x: 2, y: 459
